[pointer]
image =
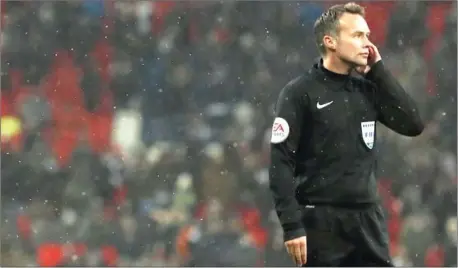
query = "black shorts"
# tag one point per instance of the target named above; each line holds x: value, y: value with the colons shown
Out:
x: 346, y: 237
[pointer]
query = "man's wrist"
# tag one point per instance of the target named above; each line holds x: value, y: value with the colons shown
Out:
x: 292, y: 234
x: 375, y: 69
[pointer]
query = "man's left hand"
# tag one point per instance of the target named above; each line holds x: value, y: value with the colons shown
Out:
x: 374, y: 57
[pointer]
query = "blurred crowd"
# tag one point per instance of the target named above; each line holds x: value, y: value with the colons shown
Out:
x: 135, y: 133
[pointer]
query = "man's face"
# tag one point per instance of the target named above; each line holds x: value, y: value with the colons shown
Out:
x: 353, y: 43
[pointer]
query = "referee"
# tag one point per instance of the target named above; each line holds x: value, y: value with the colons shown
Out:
x: 322, y: 147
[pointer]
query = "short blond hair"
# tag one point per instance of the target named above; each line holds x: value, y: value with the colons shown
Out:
x: 328, y: 22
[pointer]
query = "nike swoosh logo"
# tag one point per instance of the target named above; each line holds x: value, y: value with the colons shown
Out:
x: 321, y: 106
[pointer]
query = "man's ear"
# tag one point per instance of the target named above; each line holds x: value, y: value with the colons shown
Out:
x: 329, y: 42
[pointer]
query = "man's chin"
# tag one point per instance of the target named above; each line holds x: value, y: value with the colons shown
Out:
x: 356, y: 62
x: 361, y: 63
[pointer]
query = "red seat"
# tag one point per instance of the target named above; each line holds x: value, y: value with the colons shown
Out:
x: 49, y: 255
x: 72, y: 121
x: 100, y: 124
x: 7, y: 107
x: 61, y: 84
x: 62, y: 141
x: 102, y: 53
x: 110, y: 255
x: 435, y: 22
x: 161, y: 9
x: 80, y: 249
x: 120, y: 195
x: 16, y: 83
x: 24, y: 226
x: 99, y: 132
x: 251, y: 220
x: 435, y: 256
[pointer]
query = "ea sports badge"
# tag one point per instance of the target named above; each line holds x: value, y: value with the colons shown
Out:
x: 280, y: 130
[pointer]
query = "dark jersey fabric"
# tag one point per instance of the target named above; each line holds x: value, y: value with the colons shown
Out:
x: 324, y: 133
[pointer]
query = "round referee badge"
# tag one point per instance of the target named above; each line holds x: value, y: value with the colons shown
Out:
x: 280, y: 130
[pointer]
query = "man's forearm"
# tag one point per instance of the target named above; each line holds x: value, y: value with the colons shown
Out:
x: 397, y: 109
x: 283, y: 187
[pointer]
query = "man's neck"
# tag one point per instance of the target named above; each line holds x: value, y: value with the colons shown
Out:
x: 336, y: 65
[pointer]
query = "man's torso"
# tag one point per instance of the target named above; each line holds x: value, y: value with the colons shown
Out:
x: 336, y: 149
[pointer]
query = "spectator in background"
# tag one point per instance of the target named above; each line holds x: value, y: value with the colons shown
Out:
x: 402, y: 32
x: 126, y: 79
x: 444, y: 69
x: 217, y: 180
x: 221, y: 244
x: 274, y: 254
x: 451, y: 241
x: 94, y: 8
x: 137, y: 234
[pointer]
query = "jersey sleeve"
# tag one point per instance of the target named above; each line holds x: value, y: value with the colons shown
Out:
x: 286, y: 133
x: 396, y: 109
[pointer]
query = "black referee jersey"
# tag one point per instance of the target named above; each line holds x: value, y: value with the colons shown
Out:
x: 323, y: 140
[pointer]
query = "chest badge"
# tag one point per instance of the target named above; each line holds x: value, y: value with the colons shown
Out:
x: 368, y: 133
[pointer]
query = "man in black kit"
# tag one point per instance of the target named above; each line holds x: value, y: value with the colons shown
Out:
x: 322, y: 147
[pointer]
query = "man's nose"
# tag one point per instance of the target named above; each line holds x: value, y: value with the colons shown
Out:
x: 367, y: 43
